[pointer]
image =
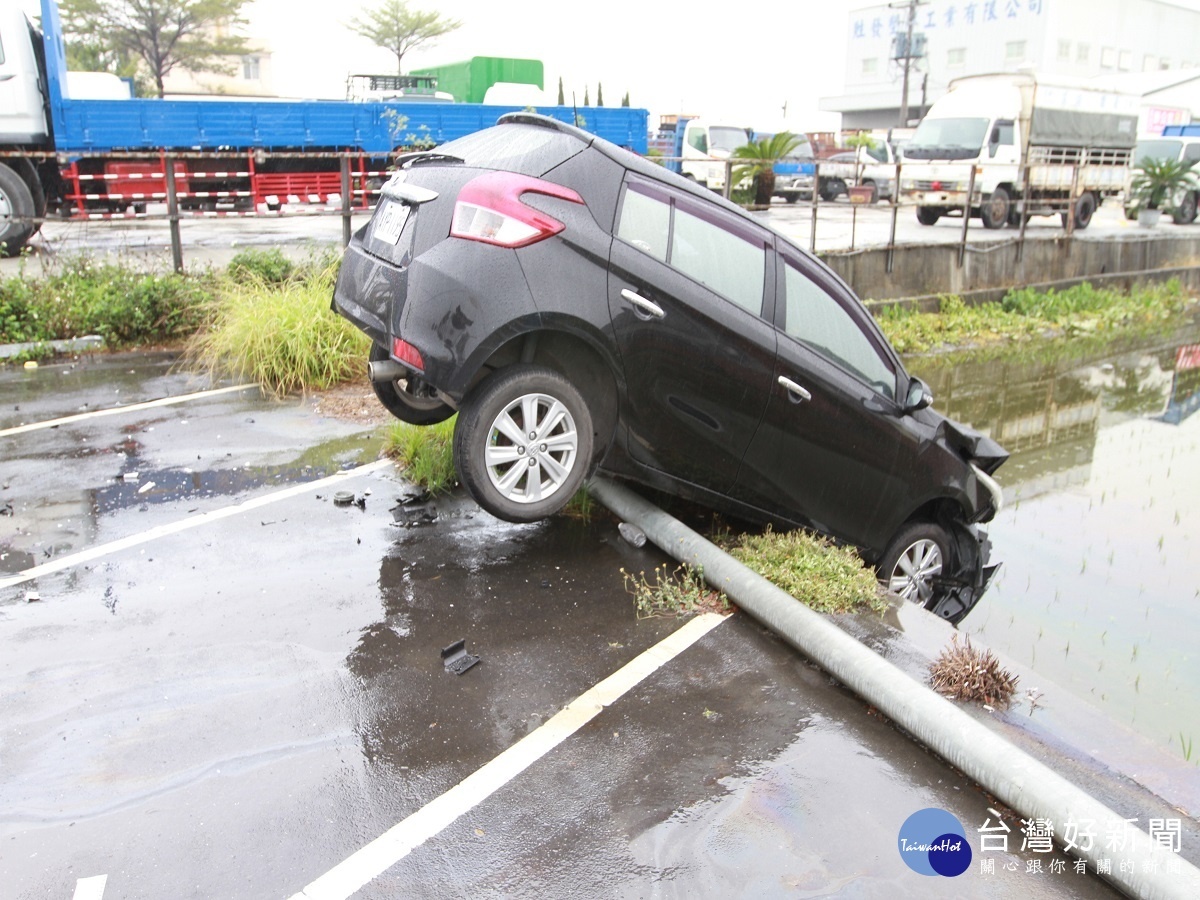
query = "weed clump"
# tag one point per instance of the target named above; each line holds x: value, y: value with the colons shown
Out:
x: 827, y: 577
x: 673, y: 594
x: 964, y: 673
x: 281, y: 336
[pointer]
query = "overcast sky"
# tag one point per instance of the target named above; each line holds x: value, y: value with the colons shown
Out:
x: 742, y: 61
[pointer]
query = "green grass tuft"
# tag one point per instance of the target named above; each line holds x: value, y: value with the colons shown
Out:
x: 283, y: 336
x: 425, y: 452
x: 812, y: 569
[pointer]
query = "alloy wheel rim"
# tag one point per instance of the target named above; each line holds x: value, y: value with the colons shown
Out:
x: 532, y: 448
x: 912, y: 576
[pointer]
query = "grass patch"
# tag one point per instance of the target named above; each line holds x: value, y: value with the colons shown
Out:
x: 1025, y: 314
x: 673, y: 594
x: 425, y: 452
x: 281, y: 336
x: 125, y: 306
x: 818, y: 573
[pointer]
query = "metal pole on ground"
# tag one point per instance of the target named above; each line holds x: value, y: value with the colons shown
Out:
x: 346, y: 229
x: 962, y: 247
x: 1016, y: 778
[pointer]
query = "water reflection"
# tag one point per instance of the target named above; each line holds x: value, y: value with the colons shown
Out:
x: 1099, y: 585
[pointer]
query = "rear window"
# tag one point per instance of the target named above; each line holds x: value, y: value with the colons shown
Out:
x: 528, y: 149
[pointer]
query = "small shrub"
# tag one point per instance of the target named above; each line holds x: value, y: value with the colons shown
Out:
x: 682, y: 592
x: 425, y: 452
x: 964, y: 673
x: 268, y: 266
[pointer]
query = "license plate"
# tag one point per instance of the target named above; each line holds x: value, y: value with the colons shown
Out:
x: 389, y: 222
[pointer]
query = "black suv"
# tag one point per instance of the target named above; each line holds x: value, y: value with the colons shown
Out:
x: 579, y: 306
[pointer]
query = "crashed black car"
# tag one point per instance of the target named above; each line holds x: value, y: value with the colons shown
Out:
x: 579, y: 307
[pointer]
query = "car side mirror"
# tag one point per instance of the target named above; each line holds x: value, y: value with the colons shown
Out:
x: 919, y: 396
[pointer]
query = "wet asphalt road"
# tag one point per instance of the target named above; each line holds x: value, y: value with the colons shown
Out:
x: 232, y: 709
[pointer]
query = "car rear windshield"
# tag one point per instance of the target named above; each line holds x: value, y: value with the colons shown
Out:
x: 528, y: 149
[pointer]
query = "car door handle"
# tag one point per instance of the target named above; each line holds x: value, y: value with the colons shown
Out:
x: 7, y: 77
x: 642, y: 303
x: 797, y: 392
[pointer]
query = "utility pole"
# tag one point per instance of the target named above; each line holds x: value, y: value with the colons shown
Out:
x: 907, y: 56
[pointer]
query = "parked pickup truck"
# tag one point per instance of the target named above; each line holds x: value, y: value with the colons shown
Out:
x: 1177, y: 142
x: 868, y: 166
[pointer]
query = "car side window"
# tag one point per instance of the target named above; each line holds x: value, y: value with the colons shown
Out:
x: 645, y: 223
x: 725, y: 261
x: 816, y: 318
x: 713, y: 249
x: 1191, y: 153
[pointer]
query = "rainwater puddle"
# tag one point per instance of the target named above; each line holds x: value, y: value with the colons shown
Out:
x: 1100, y: 586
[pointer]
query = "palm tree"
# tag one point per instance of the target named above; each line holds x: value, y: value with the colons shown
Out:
x: 1160, y: 180
x: 762, y: 156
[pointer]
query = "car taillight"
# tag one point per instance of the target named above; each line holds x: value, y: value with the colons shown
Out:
x: 489, y: 209
x: 408, y: 354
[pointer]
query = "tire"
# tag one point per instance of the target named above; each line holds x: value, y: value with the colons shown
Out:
x: 16, y: 202
x: 913, y: 561
x: 408, y: 399
x: 832, y: 189
x: 511, y: 479
x: 1186, y: 213
x: 928, y: 215
x: 1085, y: 208
x: 994, y: 210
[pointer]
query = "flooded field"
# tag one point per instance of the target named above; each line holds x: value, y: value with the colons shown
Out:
x: 1100, y: 586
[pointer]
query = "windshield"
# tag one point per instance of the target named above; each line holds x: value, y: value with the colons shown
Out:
x: 947, y: 139
x: 802, y: 153
x: 1163, y: 149
x: 723, y: 137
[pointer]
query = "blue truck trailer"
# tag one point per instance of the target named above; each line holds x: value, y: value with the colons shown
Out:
x: 64, y: 156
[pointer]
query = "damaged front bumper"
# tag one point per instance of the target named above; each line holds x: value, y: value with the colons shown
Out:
x: 957, y: 594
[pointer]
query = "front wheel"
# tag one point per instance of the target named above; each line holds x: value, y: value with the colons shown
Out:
x: 408, y: 399
x: 913, y: 562
x: 523, y: 443
x: 16, y: 212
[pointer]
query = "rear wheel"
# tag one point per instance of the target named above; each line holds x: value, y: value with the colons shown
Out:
x: 16, y: 211
x: 1085, y: 208
x: 409, y: 399
x: 994, y: 211
x: 1186, y: 213
x: 523, y: 443
x: 928, y: 215
x: 913, y: 562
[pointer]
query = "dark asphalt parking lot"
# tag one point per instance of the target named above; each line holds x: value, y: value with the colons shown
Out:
x: 229, y: 686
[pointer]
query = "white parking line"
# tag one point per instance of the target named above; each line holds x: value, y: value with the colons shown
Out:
x: 66, y: 562
x: 90, y: 888
x: 394, y: 844
x: 114, y: 410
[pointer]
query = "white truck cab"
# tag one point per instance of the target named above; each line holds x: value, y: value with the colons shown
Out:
x: 22, y: 109
x: 704, y: 148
